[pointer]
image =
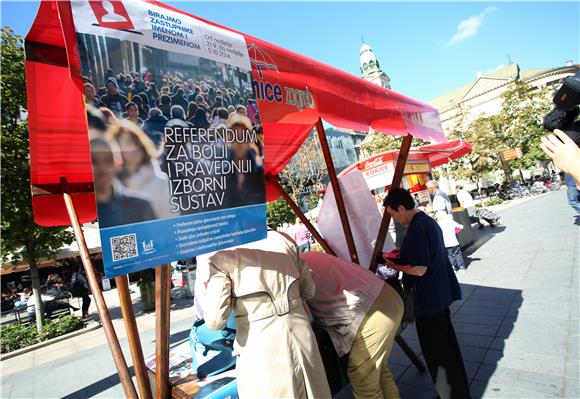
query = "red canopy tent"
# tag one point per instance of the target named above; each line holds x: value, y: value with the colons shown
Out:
x: 61, y: 171
x: 436, y: 154
x: 59, y: 147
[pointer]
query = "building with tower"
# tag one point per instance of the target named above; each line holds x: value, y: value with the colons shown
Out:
x: 370, y: 68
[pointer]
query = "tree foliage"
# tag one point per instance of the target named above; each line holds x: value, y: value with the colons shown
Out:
x: 378, y: 142
x: 21, y: 237
x: 485, y: 136
x: 306, y: 171
x: 517, y: 125
x: 520, y: 121
x: 278, y: 213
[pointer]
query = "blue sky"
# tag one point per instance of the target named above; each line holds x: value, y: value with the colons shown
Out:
x: 427, y: 48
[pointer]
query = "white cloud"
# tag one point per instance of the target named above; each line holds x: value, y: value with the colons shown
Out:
x: 469, y: 27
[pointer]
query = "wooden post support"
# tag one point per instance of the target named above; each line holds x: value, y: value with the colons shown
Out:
x: 386, y: 220
x: 300, y: 214
x: 133, y: 337
x: 337, y: 193
x: 162, y: 308
x: 112, y: 339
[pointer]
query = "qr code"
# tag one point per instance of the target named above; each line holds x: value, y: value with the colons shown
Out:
x: 124, y: 247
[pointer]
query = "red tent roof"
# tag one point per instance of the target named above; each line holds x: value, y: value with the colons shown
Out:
x: 59, y: 145
x: 437, y: 154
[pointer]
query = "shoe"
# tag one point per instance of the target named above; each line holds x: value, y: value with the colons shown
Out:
x: 73, y: 308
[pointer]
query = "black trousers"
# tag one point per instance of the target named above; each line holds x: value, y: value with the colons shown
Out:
x: 86, y: 304
x: 443, y: 356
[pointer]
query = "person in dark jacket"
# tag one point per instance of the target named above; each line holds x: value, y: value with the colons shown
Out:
x: 426, y: 267
x: 154, y: 125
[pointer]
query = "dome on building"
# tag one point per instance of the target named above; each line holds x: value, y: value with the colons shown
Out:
x: 367, y: 57
x: 370, y: 68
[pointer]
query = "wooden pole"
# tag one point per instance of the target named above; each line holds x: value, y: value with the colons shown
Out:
x: 162, y: 308
x: 133, y: 337
x: 112, y: 339
x: 337, y: 193
x: 386, y: 220
x: 300, y: 214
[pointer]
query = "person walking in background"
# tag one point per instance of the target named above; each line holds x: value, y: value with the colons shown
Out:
x: 573, y: 193
x: 301, y: 235
x: 441, y: 201
x: 450, y: 228
x: 426, y: 268
x: 80, y: 288
x: 361, y: 315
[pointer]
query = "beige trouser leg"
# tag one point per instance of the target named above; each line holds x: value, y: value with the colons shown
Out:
x: 368, y: 370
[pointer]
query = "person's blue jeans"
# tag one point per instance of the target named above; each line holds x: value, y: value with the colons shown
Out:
x: 573, y: 195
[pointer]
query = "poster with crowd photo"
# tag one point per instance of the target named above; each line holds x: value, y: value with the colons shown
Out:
x: 175, y: 136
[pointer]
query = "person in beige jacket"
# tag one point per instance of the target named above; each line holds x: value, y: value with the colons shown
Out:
x: 265, y: 283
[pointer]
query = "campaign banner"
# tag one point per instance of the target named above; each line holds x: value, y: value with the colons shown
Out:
x: 176, y: 142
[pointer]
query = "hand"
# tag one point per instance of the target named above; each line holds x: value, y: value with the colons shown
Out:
x: 563, y: 151
x: 390, y: 263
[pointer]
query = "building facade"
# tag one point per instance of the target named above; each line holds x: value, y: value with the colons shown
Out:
x: 483, y: 96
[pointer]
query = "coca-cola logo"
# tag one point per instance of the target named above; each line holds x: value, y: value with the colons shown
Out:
x: 375, y: 162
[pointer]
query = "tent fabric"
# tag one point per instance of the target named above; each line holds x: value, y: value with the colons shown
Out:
x: 437, y: 154
x: 442, y: 153
x: 58, y: 133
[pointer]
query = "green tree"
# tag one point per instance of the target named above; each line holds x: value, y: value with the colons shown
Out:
x: 306, y: 170
x: 21, y: 238
x: 379, y: 142
x: 485, y: 136
x: 520, y: 122
x: 278, y: 213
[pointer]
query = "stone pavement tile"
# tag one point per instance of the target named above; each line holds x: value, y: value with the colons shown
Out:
x: 571, y: 388
x: 410, y: 333
x: 5, y: 390
x: 415, y: 392
x: 46, y: 357
x: 482, y: 310
x: 23, y: 390
x: 475, y: 341
x: 471, y: 368
x: 467, y: 317
x: 527, y: 362
x: 17, y: 364
x: 412, y: 376
x: 476, y: 329
x: 499, y: 302
x: 398, y: 357
x: 535, y: 328
x: 572, y: 367
x: 541, y: 311
x: 472, y: 354
x: 532, y: 381
x: 397, y: 370
x: 546, y: 347
x: 481, y: 389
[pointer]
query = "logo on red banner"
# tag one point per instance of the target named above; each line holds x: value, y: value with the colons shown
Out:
x: 375, y: 162
x: 111, y: 14
x: 261, y: 60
